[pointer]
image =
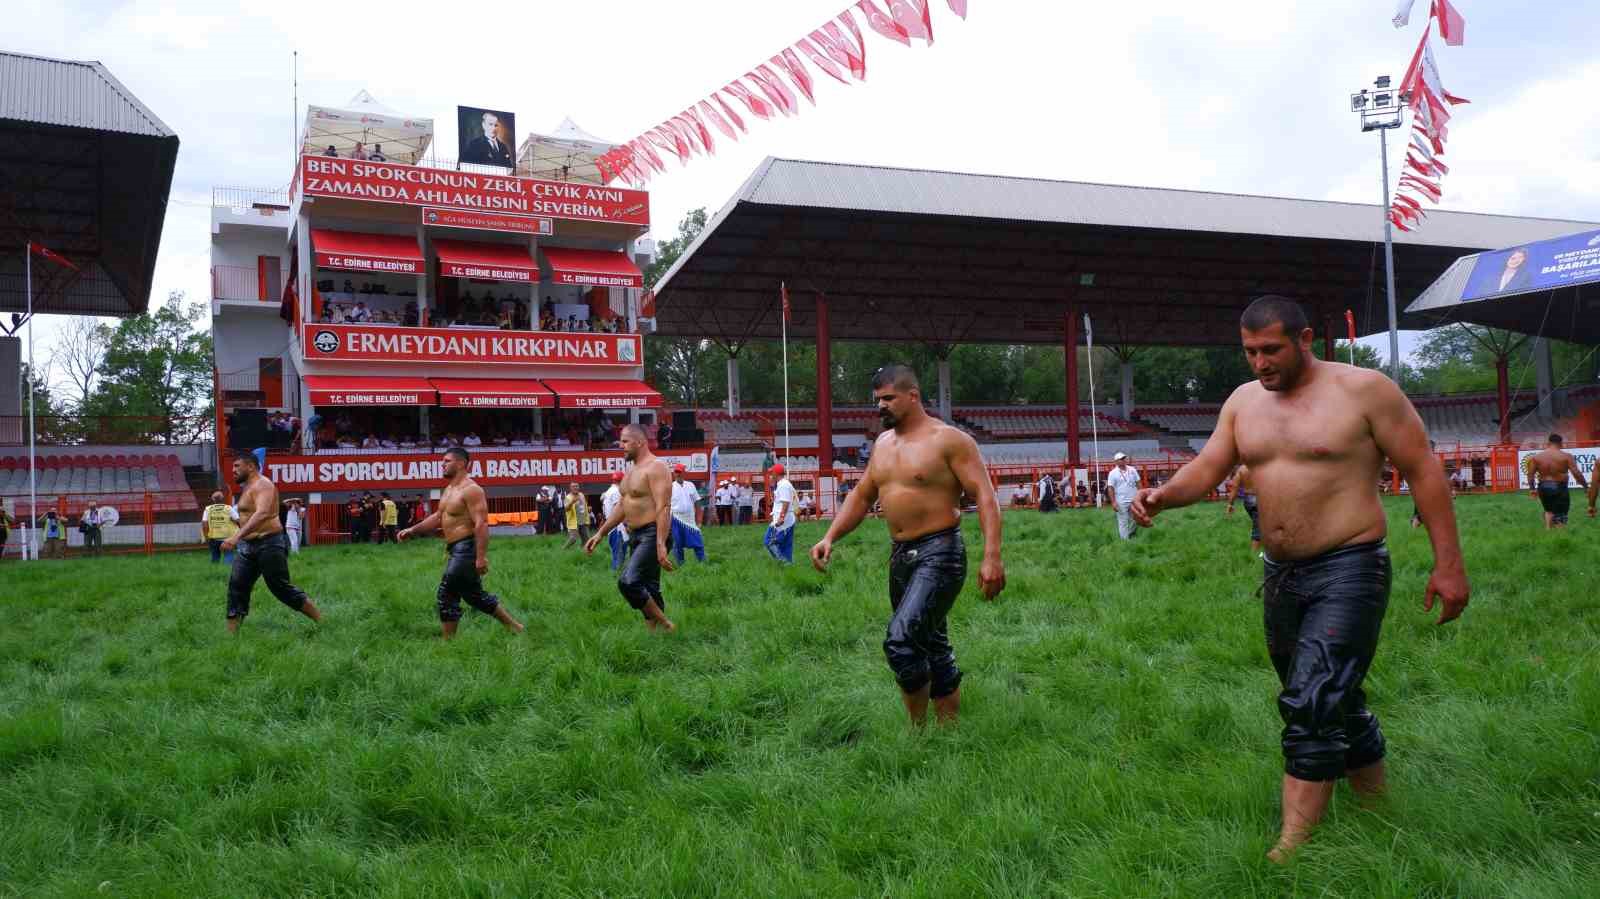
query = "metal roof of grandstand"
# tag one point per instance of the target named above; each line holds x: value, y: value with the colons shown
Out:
x: 87, y: 172
x: 945, y: 257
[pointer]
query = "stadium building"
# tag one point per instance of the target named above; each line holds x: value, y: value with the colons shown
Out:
x: 391, y: 303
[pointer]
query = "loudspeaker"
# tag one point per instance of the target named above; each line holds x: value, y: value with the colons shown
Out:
x: 249, y: 429
x: 688, y: 436
x: 683, y: 421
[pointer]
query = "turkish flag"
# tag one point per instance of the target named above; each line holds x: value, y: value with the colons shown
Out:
x: 776, y: 90
x: 1419, y: 144
x: 883, y: 22
x: 707, y: 111
x: 49, y: 254
x: 1395, y: 219
x: 1452, y: 27
x: 783, y: 288
x: 821, y: 60
x: 1421, y: 186
x: 858, y: 48
x: 1350, y: 324
x: 728, y: 111
x: 912, y: 16
x: 790, y: 63
x: 1420, y: 167
x: 757, y: 106
x: 1401, y: 199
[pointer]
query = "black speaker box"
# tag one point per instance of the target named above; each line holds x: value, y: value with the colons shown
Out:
x: 683, y: 421
x: 249, y: 429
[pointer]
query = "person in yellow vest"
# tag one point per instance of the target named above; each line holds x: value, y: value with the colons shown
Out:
x: 218, y: 522
x: 55, y: 536
x: 388, y: 519
x: 577, y: 512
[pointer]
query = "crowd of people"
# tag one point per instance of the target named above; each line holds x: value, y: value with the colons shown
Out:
x: 506, y: 313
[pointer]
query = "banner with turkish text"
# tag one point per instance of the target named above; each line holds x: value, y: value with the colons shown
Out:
x: 392, y: 343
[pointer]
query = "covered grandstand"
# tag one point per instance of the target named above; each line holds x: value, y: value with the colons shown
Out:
x: 941, y: 258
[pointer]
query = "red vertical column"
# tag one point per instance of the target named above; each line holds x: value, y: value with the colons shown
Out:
x: 824, y: 388
x: 1502, y: 390
x: 1070, y: 343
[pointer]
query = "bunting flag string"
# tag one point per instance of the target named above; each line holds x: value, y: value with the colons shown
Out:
x: 1422, y: 173
x: 837, y: 49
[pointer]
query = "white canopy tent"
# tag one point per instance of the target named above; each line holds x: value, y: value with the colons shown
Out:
x: 565, y: 154
x: 365, y: 121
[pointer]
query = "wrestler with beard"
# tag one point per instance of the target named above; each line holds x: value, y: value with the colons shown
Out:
x: 263, y: 547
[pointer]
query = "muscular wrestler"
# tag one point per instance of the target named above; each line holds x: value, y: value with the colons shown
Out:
x: 1239, y: 489
x: 1315, y: 435
x: 919, y: 469
x: 263, y: 548
x: 1547, y: 475
x: 646, y: 507
x: 463, y: 517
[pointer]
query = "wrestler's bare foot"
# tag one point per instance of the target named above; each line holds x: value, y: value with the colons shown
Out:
x: 233, y: 625
x: 945, y: 708
x: 1304, y: 802
x: 504, y: 617
x: 310, y: 610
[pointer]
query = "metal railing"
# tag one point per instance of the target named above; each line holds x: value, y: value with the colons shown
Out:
x: 267, y: 199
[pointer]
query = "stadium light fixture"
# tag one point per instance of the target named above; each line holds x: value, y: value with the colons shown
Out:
x: 1381, y: 109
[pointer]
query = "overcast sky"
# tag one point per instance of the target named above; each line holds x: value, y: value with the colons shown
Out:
x: 1248, y: 97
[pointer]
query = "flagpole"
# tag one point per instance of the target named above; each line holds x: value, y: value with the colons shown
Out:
x: 1094, y: 423
x: 784, y: 316
x: 33, y: 495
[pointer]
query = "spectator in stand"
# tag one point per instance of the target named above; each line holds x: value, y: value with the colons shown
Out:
x: 500, y: 439
x: 360, y: 151
x: 89, y: 526
x: 388, y: 519
x: 370, y: 442
x: 360, y: 314
x: 294, y: 516
x: 218, y: 522
x: 522, y: 438
x: 6, y: 521
x: 377, y: 154
x: 808, y: 506
x: 664, y: 435
x: 472, y: 439
x: 331, y: 151
x: 55, y: 536
x: 1083, y: 494
x: 747, y: 503
x: 388, y: 442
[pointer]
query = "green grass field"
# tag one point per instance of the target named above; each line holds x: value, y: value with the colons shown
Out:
x: 1118, y: 737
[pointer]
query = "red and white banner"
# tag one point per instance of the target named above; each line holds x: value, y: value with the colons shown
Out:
x: 1430, y: 104
x: 368, y: 263
x: 488, y: 221
x: 598, y: 279
x: 408, y: 185
x: 487, y: 272
x: 379, y: 343
x: 376, y: 397
x: 766, y: 87
x: 490, y: 468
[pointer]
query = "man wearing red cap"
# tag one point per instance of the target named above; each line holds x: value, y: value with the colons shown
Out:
x: 919, y: 470
x: 646, y: 508
x: 608, y: 504
x: 780, y: 533
x: 685, y: 517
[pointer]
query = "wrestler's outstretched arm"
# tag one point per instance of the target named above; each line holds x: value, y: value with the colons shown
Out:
x: 1398, y: 431
x: 850, y: 515
x: 609, y: 525
x: 1201, y: 475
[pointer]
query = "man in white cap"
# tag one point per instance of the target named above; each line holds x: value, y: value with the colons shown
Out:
x: 725, y: 494
x: 1123, y: 484
x: 779, y: 539
x: 685, y: 517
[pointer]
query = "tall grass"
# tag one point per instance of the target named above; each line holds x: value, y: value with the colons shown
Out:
x: 1119, y: 736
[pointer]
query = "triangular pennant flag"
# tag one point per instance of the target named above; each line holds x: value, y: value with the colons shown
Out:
x: 959, y: 7
x: 821, y: 60
x: 790, y: 63
x: 728, y: 111
x: 710, y: 113
x: 757, y: 106
x: 775, y: 89
x: 854, y: 47
x: 1430, y: 77
x: 882, y: 22
x: 1402, y: 13
x: 912, y: 17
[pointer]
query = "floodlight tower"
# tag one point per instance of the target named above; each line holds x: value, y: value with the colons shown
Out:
x: 1381, y: 109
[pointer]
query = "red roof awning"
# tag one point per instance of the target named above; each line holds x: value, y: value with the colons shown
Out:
x: 485, y: 261
x: 613, y: 394
x: 493, y: 393
x: 357, y: 252
x: 592, y: 268
x: 338, y: 390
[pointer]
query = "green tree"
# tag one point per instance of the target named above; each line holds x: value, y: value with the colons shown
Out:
x: 684, y: 369
x: 155, y: 381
